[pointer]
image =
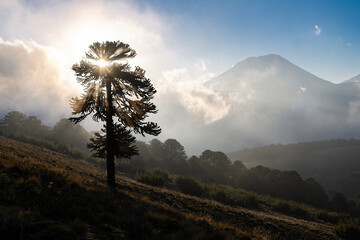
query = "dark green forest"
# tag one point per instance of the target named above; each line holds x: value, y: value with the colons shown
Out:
x: 334, y: 163
x: 215, y: 167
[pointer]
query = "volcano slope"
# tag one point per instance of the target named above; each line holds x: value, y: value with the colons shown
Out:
x: 47, y: 195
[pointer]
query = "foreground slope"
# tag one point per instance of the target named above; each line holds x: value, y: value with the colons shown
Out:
x: 45, y: 194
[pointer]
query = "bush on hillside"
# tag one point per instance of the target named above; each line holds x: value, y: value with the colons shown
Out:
x: 155, y: 177
x: 348, y: 229
x: 188, y: 185
x: 331, y: 217
x: 161, y: 172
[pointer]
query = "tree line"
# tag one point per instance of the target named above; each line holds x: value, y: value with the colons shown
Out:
x: 334, y: 162
x: 215, y: 167
x: 64, y: 135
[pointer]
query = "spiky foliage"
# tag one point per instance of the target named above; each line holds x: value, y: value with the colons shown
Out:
x: 114, y: 90
x: 123, y: 145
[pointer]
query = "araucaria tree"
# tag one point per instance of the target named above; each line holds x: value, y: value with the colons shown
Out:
x: 117, y: 95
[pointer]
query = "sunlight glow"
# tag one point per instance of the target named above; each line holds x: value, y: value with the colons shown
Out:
x: 101, y: 63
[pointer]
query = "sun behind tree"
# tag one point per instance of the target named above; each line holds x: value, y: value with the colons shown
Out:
x: 114, y: 91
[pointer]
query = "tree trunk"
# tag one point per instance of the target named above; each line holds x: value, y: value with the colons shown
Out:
x: 109, y: 137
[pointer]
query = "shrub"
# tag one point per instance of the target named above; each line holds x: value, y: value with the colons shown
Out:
x: 155, y: 177
x: 188, y: 185
x: 281, y: 207
x: 220, y: 193
x: 55, y: 232
x: 78, y: 153
x: 348, y: 229
x: 223, y: 197
x: 291, y: 208
x: 248, y: 200
x: 79, y: 227
x: 326, y: 216
x: 125, y: 166
x: 161, y: 172
x: 299, y: 211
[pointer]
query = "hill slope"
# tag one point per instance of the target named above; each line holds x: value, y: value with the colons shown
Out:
x: 65, y: 198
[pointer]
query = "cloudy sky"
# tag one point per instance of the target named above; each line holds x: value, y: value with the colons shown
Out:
x: 181, y: 44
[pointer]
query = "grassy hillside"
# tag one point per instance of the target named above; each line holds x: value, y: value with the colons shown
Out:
x: 334, y: 163
x: 47, y: 195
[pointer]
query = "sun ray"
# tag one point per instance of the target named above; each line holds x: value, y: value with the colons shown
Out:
x: 102, y: 63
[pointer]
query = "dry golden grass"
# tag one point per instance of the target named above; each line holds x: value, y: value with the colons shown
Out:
x: 160, y: 213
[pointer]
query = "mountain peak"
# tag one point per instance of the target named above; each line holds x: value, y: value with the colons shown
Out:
x: 271, y: 68
x: 269, y: 62
x: 268, y: 56
x: 263, y: 61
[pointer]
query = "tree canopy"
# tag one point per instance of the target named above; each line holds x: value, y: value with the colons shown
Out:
x: 72, y: 134
x: 217, y: 158
x: 113, y: 90
x: 15, y: 121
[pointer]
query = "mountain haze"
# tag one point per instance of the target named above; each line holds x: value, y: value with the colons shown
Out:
x: 271, y: 100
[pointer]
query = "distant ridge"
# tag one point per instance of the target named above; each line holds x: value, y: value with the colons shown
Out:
x: 355, y: 79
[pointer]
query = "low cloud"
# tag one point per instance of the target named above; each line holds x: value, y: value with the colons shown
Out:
x: 195, y: 97
x: 201, y: 65
x: 317, y: 30
x: 31, y: 82
x: 203, y: 102
x: 175, y: 75
x: 302, y: 89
